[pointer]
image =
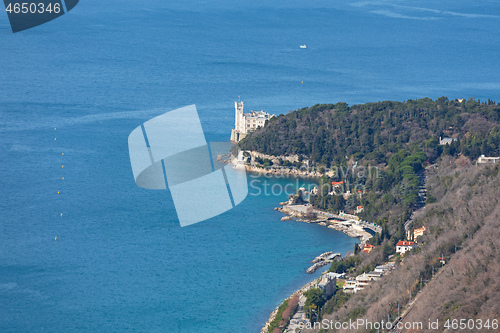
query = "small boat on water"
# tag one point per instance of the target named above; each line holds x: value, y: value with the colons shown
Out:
x: 303, y: 46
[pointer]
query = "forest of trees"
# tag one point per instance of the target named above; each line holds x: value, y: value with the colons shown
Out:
x: 327, y: 133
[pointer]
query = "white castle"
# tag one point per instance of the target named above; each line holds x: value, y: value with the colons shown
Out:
x: 247, y: 122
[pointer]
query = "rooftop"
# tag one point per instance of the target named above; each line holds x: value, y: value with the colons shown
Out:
x: 405, y: 243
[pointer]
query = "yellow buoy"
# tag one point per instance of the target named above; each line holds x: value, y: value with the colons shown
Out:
x: 302, y: 81
x: 58, y: 192
x: 55, y: 139
x: 55, y: 238
x: 63, y: 154
x: 62, y: 166
x: 61, y: 214
x: 62, y: 178
x: 55, y: 128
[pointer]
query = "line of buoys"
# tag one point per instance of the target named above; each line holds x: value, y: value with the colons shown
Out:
x: 58, y: 192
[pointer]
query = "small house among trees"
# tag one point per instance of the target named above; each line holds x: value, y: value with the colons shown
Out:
x: 487, y: 160
x: 402, y: 247
x: 446, y: 141
x: 368, y: 248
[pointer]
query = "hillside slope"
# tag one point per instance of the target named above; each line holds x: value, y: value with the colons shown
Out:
x: 467, y: 286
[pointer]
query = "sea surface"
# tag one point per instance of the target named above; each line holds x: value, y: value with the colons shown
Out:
x: 121, y: 262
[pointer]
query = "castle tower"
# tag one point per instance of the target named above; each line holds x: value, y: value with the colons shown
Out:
x: 238, y: 119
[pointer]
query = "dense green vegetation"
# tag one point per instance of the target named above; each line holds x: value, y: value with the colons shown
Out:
x: 314, y: 302
x: 401, y: 171
x: 327, y: 133
x: 279, y: 316
x: 337, y: 300
x: 343, y: 266
x: 285, y: 312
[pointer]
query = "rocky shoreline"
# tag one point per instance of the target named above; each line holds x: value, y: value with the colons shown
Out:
x: 269, y: 321
x: 285, y: 172
x: 277, y: 169
x: 299, y: 293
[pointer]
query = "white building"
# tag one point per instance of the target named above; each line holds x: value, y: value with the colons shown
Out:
x: 404, y: 246
x: 247, y: 122
x: 351, y: 286
x: 384, y: 269
x: 446, y: 141
x: 374, y: 275
x: 487, y: 160
x: 359, y: 283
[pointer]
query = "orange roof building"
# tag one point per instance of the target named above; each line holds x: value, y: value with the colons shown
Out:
x: 418, y: 232
x: 368, y: 248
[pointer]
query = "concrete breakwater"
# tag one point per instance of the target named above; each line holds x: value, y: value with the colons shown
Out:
x: 322, y: 260
x: 323, y: 256
x: 317, y: 265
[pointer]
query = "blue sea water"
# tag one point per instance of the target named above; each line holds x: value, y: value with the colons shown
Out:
x: 121, y: 262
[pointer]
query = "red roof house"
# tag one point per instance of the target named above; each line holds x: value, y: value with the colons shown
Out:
x: 368, y: 248
x: 404, y: 246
